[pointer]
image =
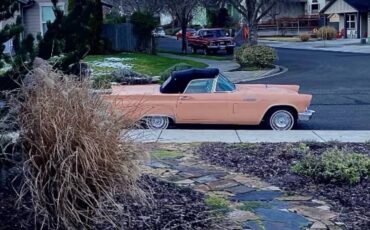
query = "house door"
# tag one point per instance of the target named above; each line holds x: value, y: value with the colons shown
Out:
x: 351, y: 24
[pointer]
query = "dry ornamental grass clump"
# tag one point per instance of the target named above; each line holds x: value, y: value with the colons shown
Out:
x: 75, y: 160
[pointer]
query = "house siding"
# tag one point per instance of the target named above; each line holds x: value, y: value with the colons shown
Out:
x: 368, y: 25
x: 340, y: 6
x: 31, y: 17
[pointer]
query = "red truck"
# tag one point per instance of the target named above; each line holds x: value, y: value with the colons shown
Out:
x: 211, y: 41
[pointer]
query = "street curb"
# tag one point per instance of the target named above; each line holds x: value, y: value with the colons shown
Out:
x: 321, y: 50
x: 278, y: 70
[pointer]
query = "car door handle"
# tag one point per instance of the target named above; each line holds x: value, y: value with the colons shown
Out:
x: 185, y: 98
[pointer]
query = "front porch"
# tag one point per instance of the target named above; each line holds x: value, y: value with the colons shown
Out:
x: 353, y: 17
x: 354, y: 25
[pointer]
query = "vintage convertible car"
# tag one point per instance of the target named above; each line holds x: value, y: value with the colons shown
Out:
x: 205, y: 96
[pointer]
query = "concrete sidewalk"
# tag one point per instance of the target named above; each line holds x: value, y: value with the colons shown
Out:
x: 338, y: 45
x: 246, y: 136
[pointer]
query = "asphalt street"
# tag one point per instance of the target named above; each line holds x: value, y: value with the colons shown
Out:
x: 339, y: 83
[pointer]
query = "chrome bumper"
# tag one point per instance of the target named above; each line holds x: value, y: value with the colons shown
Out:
x: 306, y: 115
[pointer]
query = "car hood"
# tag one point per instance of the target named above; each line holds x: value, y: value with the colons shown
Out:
x: 291, y: 89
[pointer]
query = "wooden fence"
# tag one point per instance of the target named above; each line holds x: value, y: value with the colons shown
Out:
x: 121, y: 36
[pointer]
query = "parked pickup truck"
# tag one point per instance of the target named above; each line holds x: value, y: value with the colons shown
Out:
x: 211, y: 41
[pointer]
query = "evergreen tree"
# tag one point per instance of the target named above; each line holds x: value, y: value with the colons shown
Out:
x: 10, y: 31
x: 24, y: 52
x: 72, y: 36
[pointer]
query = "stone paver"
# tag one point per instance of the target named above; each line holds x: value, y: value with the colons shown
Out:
x: 257, y: 196
x: 254, y: 204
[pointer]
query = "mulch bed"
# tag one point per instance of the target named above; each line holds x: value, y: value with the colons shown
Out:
x: 171, y: 208
x: 272, y: 163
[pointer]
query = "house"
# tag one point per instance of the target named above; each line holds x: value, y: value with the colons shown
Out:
x: 353, y: 16
x: 36, y: 13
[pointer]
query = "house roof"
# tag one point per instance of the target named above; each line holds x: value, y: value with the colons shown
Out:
x: 359, y: 5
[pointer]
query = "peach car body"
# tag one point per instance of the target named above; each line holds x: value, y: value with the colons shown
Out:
x: 240, y: 104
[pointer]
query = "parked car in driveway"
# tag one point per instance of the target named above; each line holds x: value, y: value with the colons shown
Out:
x: 159, y: 32
x: 205, y: 96
x: 189, y: 32
x: 211, y: 41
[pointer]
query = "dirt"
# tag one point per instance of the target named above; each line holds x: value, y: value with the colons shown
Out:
x: 272, y: 162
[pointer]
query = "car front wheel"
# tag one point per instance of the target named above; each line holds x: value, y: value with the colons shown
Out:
x: 157, y: 122
x: 281, y: 119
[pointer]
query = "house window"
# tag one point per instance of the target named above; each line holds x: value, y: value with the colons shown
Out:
x: 47, y: 15
x: 315, y: 6
x: 351, y: 21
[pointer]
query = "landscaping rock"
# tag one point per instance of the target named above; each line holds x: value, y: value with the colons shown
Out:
x: 318, y: 226
x: 295, y: 198
x: 221, y: 184
x: 201, y: 188
x: 314, y: 213
x: 206, y: 179
x: 256, y: 196
x: 239, y: 189
x: 185, y: 182
x: 242, y: 216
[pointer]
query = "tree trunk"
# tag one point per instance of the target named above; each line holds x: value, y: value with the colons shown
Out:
x: 184, y: 39
x: 253, y: 34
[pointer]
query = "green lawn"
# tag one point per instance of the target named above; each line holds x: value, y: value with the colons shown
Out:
x: 143, y: 63
x: 220, y: 57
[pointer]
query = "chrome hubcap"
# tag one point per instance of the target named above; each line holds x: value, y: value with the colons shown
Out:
x: 157, y: 122
x: 282, y: 120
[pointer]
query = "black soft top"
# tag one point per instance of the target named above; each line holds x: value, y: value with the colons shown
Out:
x: 180, y: 79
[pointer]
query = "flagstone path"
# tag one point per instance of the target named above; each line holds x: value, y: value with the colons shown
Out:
x: 251, y: 202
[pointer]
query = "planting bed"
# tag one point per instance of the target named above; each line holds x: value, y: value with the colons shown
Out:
x: 171, y: 208
x: 272, y: 162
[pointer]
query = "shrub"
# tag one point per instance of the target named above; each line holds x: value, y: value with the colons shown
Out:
x: 167, y: 73
x: 327, y: 33
x: 258, y: 56
x: 335, y: 165
x: 304, y: 37
x: 76, y: 161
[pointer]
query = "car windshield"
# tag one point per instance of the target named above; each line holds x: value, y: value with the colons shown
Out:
x: 214, y: 33
x: 224, y: 84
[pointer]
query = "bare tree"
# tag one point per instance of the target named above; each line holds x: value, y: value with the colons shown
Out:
x: 130, y: 6
x: 183, y: 11
x: 253, y: 11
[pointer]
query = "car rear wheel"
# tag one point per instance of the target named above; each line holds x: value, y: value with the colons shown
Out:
x: 157, y: 122
x: 281, y: 119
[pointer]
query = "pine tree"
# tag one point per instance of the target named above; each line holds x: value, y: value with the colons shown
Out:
x: 72, y: 36
x: 10, y: 31
x: 24, y: 52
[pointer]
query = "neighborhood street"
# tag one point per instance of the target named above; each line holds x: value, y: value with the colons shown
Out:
x: 338, y: 81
